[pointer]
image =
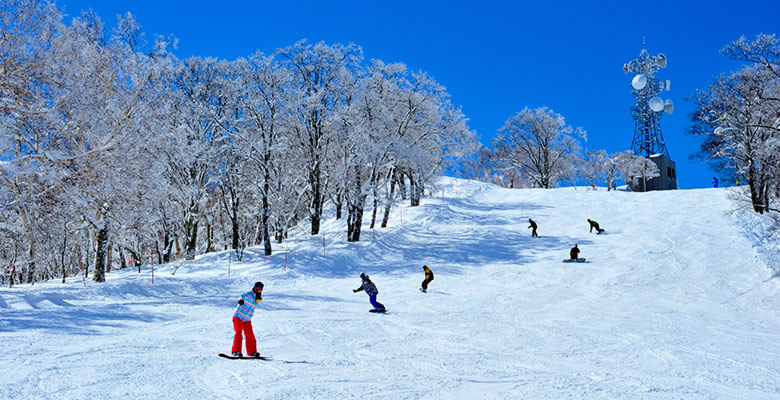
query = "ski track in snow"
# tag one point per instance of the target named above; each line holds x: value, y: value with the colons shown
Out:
x: 677, y: 300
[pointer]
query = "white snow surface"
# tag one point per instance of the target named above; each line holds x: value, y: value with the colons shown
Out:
x: 678, y: 300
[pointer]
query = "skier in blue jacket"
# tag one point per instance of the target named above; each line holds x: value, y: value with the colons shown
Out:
x: 371, y: 291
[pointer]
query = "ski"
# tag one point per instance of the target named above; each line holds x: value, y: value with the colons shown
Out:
x: 378, y: 311
x: 579, y: 260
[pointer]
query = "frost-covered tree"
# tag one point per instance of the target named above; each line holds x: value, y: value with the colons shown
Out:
x: 193, y: 140
x: 321, y: 73
x: 263, y: 90
x: 617, y: 165
x: 739, y: 119
x: 539, y: 144
x: 642, y: 169
x: 594, y: 166
x: 114, y: 153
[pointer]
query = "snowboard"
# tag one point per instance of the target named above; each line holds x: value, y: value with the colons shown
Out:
x: 374, y: 310
x: 229, y: 357
x: 579, y: 260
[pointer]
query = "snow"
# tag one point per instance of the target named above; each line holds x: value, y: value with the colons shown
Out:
x: 678, y: 299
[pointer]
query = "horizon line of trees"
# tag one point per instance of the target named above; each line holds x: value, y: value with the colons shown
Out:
x: 536, y: 148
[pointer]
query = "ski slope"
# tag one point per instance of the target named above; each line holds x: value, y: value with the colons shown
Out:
x: 679, y: 299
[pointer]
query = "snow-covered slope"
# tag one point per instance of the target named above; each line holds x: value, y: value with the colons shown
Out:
x: 675, y: 301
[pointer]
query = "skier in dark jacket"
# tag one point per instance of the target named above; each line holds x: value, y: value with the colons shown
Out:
x: 594, y: 224
x: 533, y: 225
x: 427, y: 280
x: 371, y: 291
x: 575, y: 252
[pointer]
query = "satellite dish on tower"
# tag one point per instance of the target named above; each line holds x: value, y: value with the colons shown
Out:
x: 661, y: 60
x: 656, y: 104
x: 639, y: 82
x: 668, y: 106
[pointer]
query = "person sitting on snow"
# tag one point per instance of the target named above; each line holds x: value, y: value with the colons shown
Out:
x: 575, y: 252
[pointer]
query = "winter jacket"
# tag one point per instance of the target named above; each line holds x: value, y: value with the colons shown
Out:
x: 574, y: 252
x: 246, y: 308
x: 533, y: 224
x: 368, y: 286
x: 428, y: 274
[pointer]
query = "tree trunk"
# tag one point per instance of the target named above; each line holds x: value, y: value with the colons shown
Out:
x: 373, y: 212
x: 390, y: 197
x: 62, y: 253
x: 354, y: 222
x: 402, y: 185
x: 339, y: 204
x: 414, y: 192
x: 315, y: 209
x: 109, y: 255
x: 266, y: 213
x: 122, y: 260
x: 100, y: 254
x: 355, y: 202
x: 167, y: 244
x: 755, y: 189
x: 31, y: 264
x: 191, y: 240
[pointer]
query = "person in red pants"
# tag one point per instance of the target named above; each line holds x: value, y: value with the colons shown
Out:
x: 242, y: 321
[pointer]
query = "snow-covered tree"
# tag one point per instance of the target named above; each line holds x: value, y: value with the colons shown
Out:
x: 321, y: 73
x: 539, y: 144
x: 594, y: 166
x: 114, y: 153
x: 617, y: 165
x: 739, y: 119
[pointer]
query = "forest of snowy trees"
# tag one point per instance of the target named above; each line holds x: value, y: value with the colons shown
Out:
x: 115, y: 152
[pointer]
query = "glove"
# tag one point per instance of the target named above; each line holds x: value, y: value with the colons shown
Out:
x: 241, y: 302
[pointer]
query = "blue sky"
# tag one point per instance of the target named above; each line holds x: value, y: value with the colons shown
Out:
x: 494, y: 57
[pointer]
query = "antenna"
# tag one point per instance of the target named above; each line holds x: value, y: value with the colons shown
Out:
x: 649, y: 107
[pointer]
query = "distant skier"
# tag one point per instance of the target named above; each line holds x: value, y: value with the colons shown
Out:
x: 714, y: 182
x: 371, y: 291
x: 594, y: 224
x: 427, y: 280
x: 574, y: 253
x: 242, y: 321
x: 533, y: 225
